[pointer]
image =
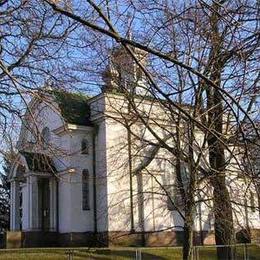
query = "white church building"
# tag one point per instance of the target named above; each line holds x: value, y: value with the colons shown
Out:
x: 73, y: 181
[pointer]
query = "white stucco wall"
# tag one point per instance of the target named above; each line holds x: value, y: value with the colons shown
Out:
x: 65, y: 150
x: 81, y: 220
x: 112, y: 173
x: 156, y: 215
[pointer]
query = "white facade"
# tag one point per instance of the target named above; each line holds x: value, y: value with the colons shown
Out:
x: 114, y: 205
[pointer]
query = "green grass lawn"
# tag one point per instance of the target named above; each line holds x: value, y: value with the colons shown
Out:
x: 204, y: 253
x: 252, y: 252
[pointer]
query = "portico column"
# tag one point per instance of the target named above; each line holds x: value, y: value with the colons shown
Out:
x: 15, y: 204
x: 53, y: 202
x: 32, y: 182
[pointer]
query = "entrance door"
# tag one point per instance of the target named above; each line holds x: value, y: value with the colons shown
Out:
x: 44, y: 203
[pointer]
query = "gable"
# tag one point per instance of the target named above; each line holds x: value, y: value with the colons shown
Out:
x: 38, y: 162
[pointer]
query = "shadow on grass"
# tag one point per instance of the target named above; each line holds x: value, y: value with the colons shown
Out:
x: 241, y: 252
x: 205, y: 253
x: 97, y: 254
x: 107, y: 254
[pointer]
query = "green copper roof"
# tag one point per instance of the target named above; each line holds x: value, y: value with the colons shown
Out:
x: 74, y: 107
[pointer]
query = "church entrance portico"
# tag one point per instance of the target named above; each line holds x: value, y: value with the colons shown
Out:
x: 33, y: 195
x: 34, y: 204
x: 42, y: 203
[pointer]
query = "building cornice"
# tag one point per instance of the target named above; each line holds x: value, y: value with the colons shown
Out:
x: 68, y: 128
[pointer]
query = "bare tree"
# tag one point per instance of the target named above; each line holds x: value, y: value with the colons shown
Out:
x: 5, y: 191
x: 203, y: 71
x: 216, y: 44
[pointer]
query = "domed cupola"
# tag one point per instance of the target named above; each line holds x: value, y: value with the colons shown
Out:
x: 124, y: 74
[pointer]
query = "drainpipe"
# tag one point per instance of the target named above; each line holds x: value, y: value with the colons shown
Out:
x: 141, y: 206
x: 130, y: 180
x: 200, y: 221
x: 94, y: 177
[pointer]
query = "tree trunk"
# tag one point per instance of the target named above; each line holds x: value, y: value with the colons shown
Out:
x: 224, y: 231
x: 189, y: 199
x: 187, y: 239
x: 188, y: 225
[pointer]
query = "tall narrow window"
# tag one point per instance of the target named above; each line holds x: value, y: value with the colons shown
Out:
x: 139, y: 73
x: 171, y: 202
x: 84, y: 146
x: 169, y: 186
x: 252, y: 201
x: 174, y: 190
x: 185, y: 175
x: 174, y: 198
x: 85, y: 190
x: 46, y: 136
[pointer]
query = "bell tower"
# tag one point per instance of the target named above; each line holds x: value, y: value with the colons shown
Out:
x: 124, y: 74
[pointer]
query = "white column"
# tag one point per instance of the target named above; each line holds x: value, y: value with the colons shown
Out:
x: 32, y: 183
x: 53, y: 204
x: 15, y: 204
x: 25, y: 211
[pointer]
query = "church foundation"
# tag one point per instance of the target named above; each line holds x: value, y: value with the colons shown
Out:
x: 19, y: 239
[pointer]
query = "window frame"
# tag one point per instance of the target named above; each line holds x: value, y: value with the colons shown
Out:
x: 252, y: 201
x: 84, y: 146
x: 45, y: 137
x: 174, y: 191
x: 85, y: 188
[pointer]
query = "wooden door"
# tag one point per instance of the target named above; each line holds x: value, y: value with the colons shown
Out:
x: 44, y: 204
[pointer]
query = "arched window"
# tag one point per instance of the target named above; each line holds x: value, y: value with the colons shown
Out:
x: 46, y: 136
x: 139, y: 73
x: 173, y: 188
x: 252, y: 201
x: 84, y: 146
x: 85, y: 190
